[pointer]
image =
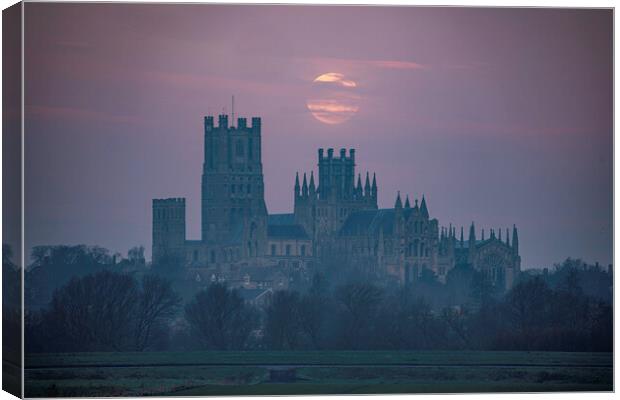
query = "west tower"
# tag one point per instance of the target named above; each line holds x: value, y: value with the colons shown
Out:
x: 168, y: 230
x: 233, y: 203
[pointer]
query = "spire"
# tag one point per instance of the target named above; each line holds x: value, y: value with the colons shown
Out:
x: 359, y: 183
x: 374, y: 185
x: 312, y: 187
x: 297, y: 184
x: 415, y: 207
x: 304, y: 187
x: 472, y: 233
x: 515, y: 239
x: 507, y: 238
x: 399, y: 203
x: 482, y: 233
x: 462, y: 236
x: 492, y: 234
x: 367, y: 186
x: 407, y: 205
x: 500, y: 234
x: 423, y: 208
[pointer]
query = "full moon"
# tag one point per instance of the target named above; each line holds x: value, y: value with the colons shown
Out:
x: 334, y: 99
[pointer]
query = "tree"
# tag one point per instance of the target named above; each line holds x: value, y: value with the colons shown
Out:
x: 312, y: 309
x: 282, y: 325
x: 360, y: 302
x: 157, y: 302
x: 94, y: 312
x: 135, y: 255
x: 220, y: 317
x: 527, y: 308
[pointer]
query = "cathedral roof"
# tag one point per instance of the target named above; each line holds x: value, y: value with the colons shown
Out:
x: 287, y: 231
x: 284, y: 226
x: 369, y: 221
x: 281, y: 219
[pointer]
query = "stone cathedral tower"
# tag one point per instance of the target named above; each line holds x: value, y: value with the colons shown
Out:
x: 233, y: 203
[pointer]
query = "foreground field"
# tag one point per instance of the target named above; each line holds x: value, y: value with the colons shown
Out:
x: 237, y: 373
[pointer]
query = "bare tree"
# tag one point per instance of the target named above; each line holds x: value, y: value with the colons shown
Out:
x: 282, y: 321
x: 360, y: 301
x: 220, y: 317
x: 94, y: 312
x: 157, y: 302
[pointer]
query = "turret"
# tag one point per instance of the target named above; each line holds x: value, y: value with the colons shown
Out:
x: 358, y: 190
x: 515, y: 239
x: 297, y: 187
x: 256, y: 124
x: 223, y: 121
x: 472, y: 244
x: 399, y: 203
x: 423, y: 209
x: 304, y: 187
x: 312, y: 188
x: 208, y: 124
x: 472, y: 235
x: 241, y: 123
x: 374, y: 186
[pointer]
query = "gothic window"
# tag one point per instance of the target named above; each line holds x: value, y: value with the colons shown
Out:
x: 426, y: 252
x: 288, y: 249
x: 212, y: 256
x: 273, y: 249
x: 303, y: 250
x: 249, y: 188
x: 233, y: 188
x: 195, y: 255
x: 250, y: 148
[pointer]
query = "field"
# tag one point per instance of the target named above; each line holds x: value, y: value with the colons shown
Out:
x: 237, y: 373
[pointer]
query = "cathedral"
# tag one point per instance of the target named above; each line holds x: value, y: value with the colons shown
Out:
x: 335, y: 224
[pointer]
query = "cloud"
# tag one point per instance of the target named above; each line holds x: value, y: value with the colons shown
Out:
x: 390, y: 64
x: 337, y: 78
x: 72, y: 113
x: 365, y: 64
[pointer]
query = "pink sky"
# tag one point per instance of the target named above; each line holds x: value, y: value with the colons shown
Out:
x: 499, y: 116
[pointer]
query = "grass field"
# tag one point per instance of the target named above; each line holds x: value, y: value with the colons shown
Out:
x: 237, y: 373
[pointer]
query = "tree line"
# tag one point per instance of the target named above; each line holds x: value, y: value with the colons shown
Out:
x: 114, y: 311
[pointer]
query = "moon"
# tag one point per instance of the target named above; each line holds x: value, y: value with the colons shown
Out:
x: 334, y: 99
